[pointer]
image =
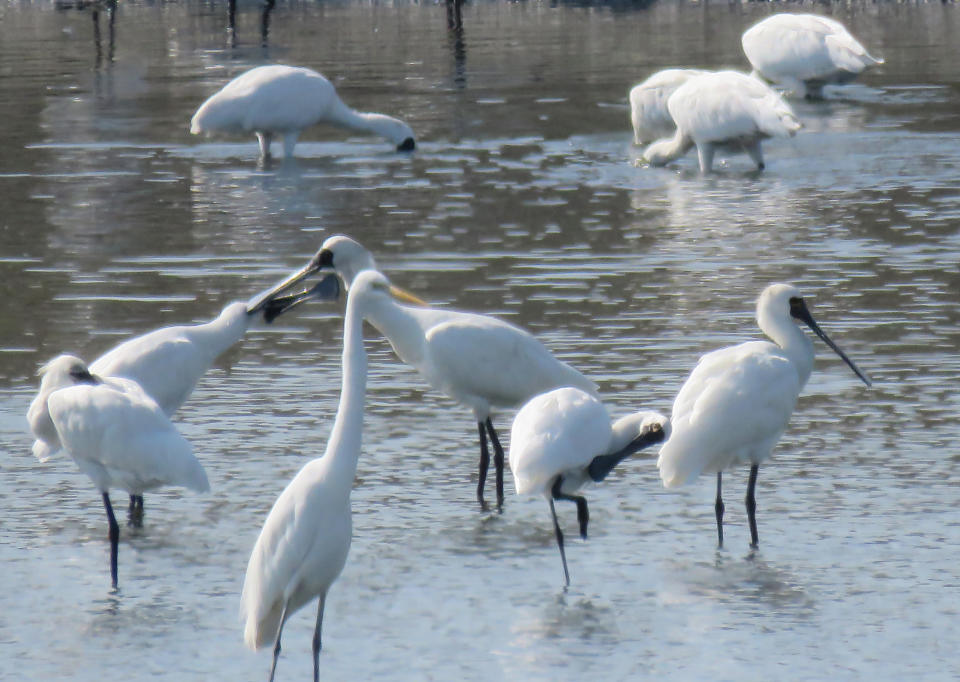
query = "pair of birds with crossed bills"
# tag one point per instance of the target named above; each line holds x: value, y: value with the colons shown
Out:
x: 562, y: 438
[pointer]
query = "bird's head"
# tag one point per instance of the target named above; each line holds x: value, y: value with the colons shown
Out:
x: 65, y: 370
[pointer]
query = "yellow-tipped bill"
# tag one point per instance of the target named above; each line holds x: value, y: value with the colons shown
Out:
x: 406, y: 296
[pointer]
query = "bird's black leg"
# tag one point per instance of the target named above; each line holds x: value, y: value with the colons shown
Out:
x: 316, y: 639
x: 276, y: 646
x: 556, y: 529
x: 752, y: 506
x: 583, y: 514
x: 718, y: 508
x: 114, y: 538
x: 484, y: 464
x: 497, y: 462
x: 135, y: 512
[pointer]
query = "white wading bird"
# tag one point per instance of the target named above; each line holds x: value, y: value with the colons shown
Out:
x: 738, y: 400
x: 648, y: 104
x: 562, y: 440
x: 477, y: 360
x: 801, y: 53
x: 118, y: 436
x: 283, y: 100
x: 167, y: 363
x: 305, y: 540
x: 726, y: 110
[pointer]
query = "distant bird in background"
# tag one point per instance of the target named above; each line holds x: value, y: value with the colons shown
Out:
x: 801, y: 53
x: 283, y: 100
x: 305, y: 540
x: 723, y: 110
x: 648, y: 104
x: 563, y: 439
x: 118, y: 436
x: 478, y: 360
x: 738, y: 400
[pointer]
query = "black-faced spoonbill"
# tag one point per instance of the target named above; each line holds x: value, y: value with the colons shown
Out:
x: 306, y: 538
x: 283, y: 100
x: 118, y: 436
x: 800, y: 53
x: 726, y: 110
x: 648, y: 104
x: 563, y: 439
x: 167, y: 363
x: 738, y: 400
x: 478, y: 360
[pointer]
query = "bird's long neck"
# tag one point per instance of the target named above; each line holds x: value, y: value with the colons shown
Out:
x: 401, y: 325
x: 665, y: 151
x: 795, y: 344
x: 345, y: 438
x: 378, y: 124
x: 217, y: 336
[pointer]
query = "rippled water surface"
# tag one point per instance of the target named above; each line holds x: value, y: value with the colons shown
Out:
x: 525, y: 198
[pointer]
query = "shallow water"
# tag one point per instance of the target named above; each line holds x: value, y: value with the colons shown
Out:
x: 526, y: 199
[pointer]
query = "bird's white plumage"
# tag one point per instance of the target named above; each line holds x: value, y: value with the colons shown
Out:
x: 167, y: 363
x: 283, y: 100
x: 648, y: 104
x: 557, y: 432
x: 803, y: 52
x: 478, y: 360
x: 723, y: 109
x: 732, y: 410
x: 738, y: 400
x: 305, y: 540
x: 121, y: 438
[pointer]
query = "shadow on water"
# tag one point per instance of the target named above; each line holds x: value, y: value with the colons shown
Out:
x: 750, y: 581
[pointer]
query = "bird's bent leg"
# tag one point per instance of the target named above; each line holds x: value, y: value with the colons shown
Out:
x: 484, y: 464
x: 718, y: 508
x: 114, y: 538
x: 755, y: 153
x: 276, y: 646
x: 559, y: 533
x: 583, y: 514
x: 705, y: 154
x: 752, y: 506
x: 316, y: 639
x: 497, y: 462
x: 264, y: 139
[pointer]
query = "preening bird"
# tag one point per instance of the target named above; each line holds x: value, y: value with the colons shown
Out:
x: 478, y: 360
x: 738, y: 400
x: 283, y: 100
x: 118, y: 436
x: 563, y: 440
x: 726, y: 110
x: 801, y: 53
x: 648, y: 104
x: 305, y: 540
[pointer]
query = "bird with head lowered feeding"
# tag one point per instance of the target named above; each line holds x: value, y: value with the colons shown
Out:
x: 283, y: 100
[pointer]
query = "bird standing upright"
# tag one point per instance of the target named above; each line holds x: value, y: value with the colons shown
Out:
x: 738, y: 400
x: 563, y: 439
x: 118, y: 436
x: 478, y: 360
x: 305, y: 539
x: 283, y: 100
